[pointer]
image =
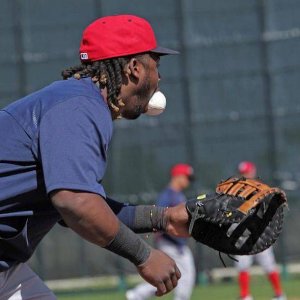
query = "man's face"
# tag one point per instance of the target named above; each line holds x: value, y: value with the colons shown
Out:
x: 186, y: 181
x: 147, y: 84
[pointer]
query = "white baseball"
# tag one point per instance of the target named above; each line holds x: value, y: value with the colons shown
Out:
x: 157, y: 104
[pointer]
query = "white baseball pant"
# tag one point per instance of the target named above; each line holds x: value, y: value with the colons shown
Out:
x: 185, y: 262
x: 21, y: 283
x: 265, y: 259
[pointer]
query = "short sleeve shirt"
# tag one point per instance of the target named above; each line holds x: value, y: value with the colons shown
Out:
x: 55, y: 138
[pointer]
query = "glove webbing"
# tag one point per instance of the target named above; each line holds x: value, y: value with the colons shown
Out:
x: 253, y: 226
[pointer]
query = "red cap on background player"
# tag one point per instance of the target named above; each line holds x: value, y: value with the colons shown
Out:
x: 117, y: 36
x: 183, y: 169
x: 247, y: 168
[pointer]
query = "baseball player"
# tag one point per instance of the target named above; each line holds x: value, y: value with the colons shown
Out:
x: 53, y: 157
x: 177, y: 248
x: 265, y: 259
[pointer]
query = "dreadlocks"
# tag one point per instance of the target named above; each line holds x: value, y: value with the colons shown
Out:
x: 107, y: 72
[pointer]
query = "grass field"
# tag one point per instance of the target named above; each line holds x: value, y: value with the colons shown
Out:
x: 261, y: 290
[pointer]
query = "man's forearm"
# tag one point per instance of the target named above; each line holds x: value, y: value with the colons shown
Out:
x: 88, y: 215
x: 140, y: 218
x: 92, y: 218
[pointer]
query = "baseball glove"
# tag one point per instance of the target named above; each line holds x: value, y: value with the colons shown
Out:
x: 244, y: 216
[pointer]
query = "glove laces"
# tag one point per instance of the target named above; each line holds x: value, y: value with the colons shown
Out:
x: 230, y: 256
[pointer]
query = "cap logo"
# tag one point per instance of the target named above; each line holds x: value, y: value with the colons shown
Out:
x: 84, y: 56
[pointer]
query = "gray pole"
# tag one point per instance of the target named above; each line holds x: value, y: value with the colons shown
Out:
x: 269, y: 113
x: 188, y: 126
x: 18, y: 28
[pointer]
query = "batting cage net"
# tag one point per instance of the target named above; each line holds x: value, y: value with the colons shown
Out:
x: 232, y: 95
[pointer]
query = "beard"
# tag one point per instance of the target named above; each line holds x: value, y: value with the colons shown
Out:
x: 132, y: 115
x: 142, y: 98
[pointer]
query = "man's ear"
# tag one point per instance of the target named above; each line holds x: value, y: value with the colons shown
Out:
x: 133, y: 68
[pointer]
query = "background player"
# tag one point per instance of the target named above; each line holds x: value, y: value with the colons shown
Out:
x: 265, y: 259
x: 177, y: 248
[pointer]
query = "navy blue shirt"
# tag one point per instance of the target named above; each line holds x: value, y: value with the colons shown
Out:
x: 169, y: 198
x: 55, y: 138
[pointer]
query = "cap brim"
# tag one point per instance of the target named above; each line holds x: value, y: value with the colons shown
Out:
x: 164, y: 51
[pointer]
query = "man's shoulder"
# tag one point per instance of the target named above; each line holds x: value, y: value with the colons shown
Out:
x: 59, y: 98
x: 71, y: 88
x: 61, y: 90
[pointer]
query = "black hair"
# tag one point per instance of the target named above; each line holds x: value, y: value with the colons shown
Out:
x: 107, y: 72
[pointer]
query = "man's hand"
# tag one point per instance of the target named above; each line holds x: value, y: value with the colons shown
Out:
x: 161, y: 271
x: 177, y: 221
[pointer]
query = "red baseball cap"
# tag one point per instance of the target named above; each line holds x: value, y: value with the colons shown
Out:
x: 119, y: 35
x: 246, y: 167
x: 183, y: 169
